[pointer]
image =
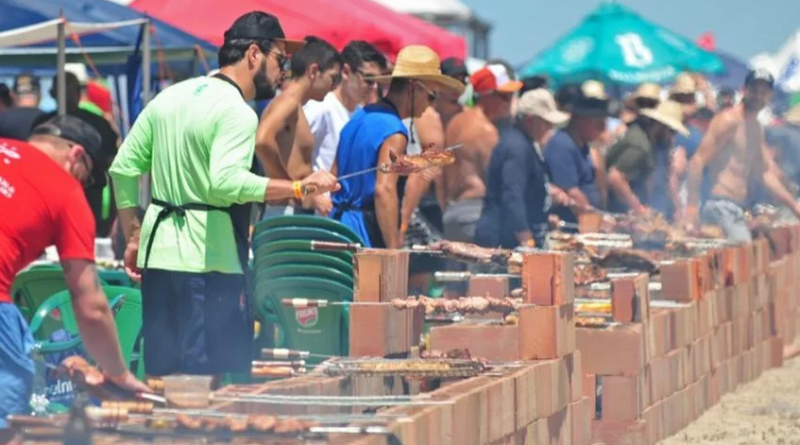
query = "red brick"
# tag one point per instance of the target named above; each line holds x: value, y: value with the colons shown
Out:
x: 722, y: 306
x: 499, y: 343
x: 575, y: 372
x: 562, y: 392
x: 652, y: 417
x: 630, y: 299
x: 716, y: 262
x: 380, y: 275
x: 659, y: 336
x: 621, y: 398
x: 526, y: 397
x: 548, y: 278
x: 659, y: 379
x: 378, y: 330
x: 580, y: 422
x: 545, y: 379
x: 613, y: 433
x: 559, y: 426
x: 735, y: 266
x: 616, y: 350
x: 495, y: 287
x: 776, y: 352
x: 546, y: 331
x: 590, y: 391
x: 679, y: 281
x: 501, y: 405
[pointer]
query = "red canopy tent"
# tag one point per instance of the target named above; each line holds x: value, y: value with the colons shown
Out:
x: 337, y: 22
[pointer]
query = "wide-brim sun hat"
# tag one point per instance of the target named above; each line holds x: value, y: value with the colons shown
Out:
x: 419, y: 62
x: 669, y: 113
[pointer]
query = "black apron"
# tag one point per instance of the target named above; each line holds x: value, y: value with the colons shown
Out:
x: 239, y: 214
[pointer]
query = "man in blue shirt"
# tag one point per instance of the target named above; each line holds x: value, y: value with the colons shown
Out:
x: 369, y: 203
x: 517, y: 186
x: 568, y: 156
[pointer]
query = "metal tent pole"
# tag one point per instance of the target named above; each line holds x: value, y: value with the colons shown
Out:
x: 61, y: 60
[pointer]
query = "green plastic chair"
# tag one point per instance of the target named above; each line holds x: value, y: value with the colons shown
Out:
x: 310, y: 258
x: 295, y: 246
x: 57, y: 313
x: 300, y: 270
x: 318, y: 330
x: 317, y: 222
x: 115, y: 277
x: 297, y: 233
x: 33, y: 286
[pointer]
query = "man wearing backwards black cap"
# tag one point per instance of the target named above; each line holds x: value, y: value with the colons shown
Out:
x: 733, y: 151
x: 197, y: 138
x: 42, y: 203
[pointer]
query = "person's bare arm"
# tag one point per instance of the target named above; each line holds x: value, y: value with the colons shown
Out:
x: 771, y: 176
x: 677, y: 172
x: 274, y: 119
x: 431, y: 136
x: 720, y: 131
x: 600, y: 176
x: 96, y: 322
x: 386, y: 199
x: 618, y: 182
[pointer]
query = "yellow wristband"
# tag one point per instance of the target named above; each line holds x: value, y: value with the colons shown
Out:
x: 297, y: 186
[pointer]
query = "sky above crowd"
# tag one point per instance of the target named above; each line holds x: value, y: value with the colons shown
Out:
x: 743, y: 28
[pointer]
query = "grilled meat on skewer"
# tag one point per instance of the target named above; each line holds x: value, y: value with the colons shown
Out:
x: 628, y: 259
x: 262, y: 424
x: 237, y: 424
x: 188, y: 422
x: 586, y: 274
x: 408, y: 164
x: 472, y: 253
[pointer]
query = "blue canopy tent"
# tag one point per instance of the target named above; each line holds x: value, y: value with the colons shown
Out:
x: 108, y: 48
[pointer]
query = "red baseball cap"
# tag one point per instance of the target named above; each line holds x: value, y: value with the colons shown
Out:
x: 99, y: 95
x: 494, y: 78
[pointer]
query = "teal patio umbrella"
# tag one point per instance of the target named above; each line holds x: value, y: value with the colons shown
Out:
x: 616, y: 45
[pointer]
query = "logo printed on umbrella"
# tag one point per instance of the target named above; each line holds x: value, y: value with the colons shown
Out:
x: 577, y: 50
x: 307, y: 317
x: 634, y: 51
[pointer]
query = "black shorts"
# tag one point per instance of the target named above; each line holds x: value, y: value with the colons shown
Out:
x: 195, y: 323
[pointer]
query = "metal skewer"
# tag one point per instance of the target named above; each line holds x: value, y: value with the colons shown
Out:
x: 385, y: 166
x: 464, y: 276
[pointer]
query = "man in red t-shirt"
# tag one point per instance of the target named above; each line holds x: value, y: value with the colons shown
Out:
x: 42, y: 204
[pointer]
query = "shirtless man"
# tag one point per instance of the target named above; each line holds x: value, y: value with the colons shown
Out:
x: 284, y: 142
x: 465, y: 180
x: 733, y: 151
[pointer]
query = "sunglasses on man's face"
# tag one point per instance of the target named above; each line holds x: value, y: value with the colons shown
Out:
x: 432, y: 95
x: 367, y: 78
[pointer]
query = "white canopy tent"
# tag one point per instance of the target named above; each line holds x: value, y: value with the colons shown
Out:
x: 452, y: 15
x: 57, y: 29
x: 784, y: 64
x: 437, y: 8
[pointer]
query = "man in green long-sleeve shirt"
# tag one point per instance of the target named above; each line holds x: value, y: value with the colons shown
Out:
x: 197, y: 138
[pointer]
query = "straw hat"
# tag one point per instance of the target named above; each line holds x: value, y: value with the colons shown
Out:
x: 421, y: 63
x: 646, y: 91
x: 669, y: 113
x: 684, y: 84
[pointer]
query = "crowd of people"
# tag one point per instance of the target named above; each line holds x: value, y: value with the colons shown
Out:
x: 526, y: 161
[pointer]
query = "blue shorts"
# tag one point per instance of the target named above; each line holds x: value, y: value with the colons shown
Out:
x: 195, y: 323
x: 16, y: 364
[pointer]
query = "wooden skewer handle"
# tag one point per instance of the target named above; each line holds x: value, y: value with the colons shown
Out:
x: 300, y: 303
x: 335, y: 247
x: 283, y: 371
x: 284, y: 354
